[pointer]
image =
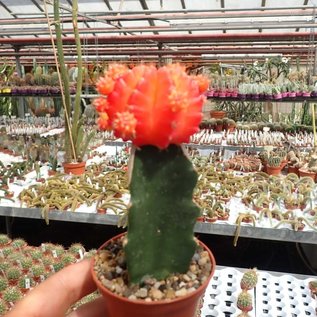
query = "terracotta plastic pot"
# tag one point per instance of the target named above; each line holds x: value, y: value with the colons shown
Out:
x: 74, y: 168
x: 292, y: 169
x: 217, y: 114
x: 303, y: 173
x: 118, y: 306
x: 271, y: 170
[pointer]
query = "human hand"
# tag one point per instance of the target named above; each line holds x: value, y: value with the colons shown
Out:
x: 54, y: 297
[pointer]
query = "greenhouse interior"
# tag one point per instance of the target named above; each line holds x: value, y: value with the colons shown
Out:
x: 158, y: 158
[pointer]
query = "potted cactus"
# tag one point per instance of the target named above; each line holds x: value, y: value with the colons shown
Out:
x: 274, y: 166
x: 76, y: 139
x: 157, y: 109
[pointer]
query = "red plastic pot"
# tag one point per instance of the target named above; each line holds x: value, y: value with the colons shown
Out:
x: 272, y: 170
x: 304, y: 173
x: 74, y: 168
x: 217, y: 114
x: 118, y: 306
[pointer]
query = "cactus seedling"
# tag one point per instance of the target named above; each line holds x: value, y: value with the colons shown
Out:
x: 4, y: 239
x: 244, y: 302
x: 26, y: 282
x: 6, y: 251
x: 12, y: 294
x: 36, y: 254
x: 47, y: 260
x: 77, y: 249
x: 26, y: 263
x: 38, y: 270
x: 57, y: 266
x: 3, y: 283
x: 3, y: 307
x: 274, y: 161
x: 13, y: 273
x: 68, y: 258
x: 18, y: 243
x: 57, y: 251
x: 249, y: 280
x: 4, y: 265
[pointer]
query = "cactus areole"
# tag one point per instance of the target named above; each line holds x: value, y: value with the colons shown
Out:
x: 157, y: 109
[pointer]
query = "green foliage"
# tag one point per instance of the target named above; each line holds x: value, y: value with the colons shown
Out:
x: 163, y: 216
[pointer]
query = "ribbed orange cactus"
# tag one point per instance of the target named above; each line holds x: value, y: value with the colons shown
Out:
x: 149, y: 105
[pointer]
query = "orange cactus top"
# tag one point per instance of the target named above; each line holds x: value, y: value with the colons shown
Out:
x: 149, y: 105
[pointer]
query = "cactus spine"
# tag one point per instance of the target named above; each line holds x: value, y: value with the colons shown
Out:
x: 164, y: 216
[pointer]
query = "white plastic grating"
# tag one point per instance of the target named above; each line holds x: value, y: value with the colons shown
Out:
x: 274, y: 296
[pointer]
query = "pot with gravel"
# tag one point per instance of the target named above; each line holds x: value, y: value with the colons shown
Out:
x: 157, y: 268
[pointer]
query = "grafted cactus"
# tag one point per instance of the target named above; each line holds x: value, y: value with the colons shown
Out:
x: 157, y: 109
x: 162, y: 215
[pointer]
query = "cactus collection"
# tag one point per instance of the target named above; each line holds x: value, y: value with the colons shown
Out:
x: 28, y: 266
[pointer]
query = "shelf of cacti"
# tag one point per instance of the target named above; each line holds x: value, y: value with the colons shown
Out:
x: 251, y: 292
x: 22, y: 267
x: 238, y: 202
x: 251, y: 135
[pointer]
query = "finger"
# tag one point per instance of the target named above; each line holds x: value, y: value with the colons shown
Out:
x: 53, y: 297
x: 94, y: 308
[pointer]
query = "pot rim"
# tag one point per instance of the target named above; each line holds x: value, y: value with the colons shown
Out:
x: 200, y: 289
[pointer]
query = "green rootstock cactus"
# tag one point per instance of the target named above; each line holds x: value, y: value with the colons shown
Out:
x: 162, y: 214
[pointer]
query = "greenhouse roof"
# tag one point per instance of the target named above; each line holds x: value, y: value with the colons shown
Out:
x: 170, y: 28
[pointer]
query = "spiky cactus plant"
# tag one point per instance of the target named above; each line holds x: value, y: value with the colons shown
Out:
x: 158, y: 109
x: 3, y: 283
x: 6, y: 251
x: 77, y: 249
x: 4, y: 265
x: 26, y: 282
x: 274, y: 161
x: 3, y: 307
x: 12, y: 294
x: 18, y: 243
x: 68, y: 258
x: 4, y: 240
x: 26, y: 263
x: 38, y: 271
x: 36, y: 255
x: 245, y: 301
x: 13, y: 273
x: 76, y: 141
x: 249, y: 279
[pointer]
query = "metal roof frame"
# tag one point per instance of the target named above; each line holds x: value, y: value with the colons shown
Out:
x: 155, y: 29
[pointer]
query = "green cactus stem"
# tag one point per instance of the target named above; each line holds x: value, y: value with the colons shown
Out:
x: 162, y: 214
x: 274, y: 161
